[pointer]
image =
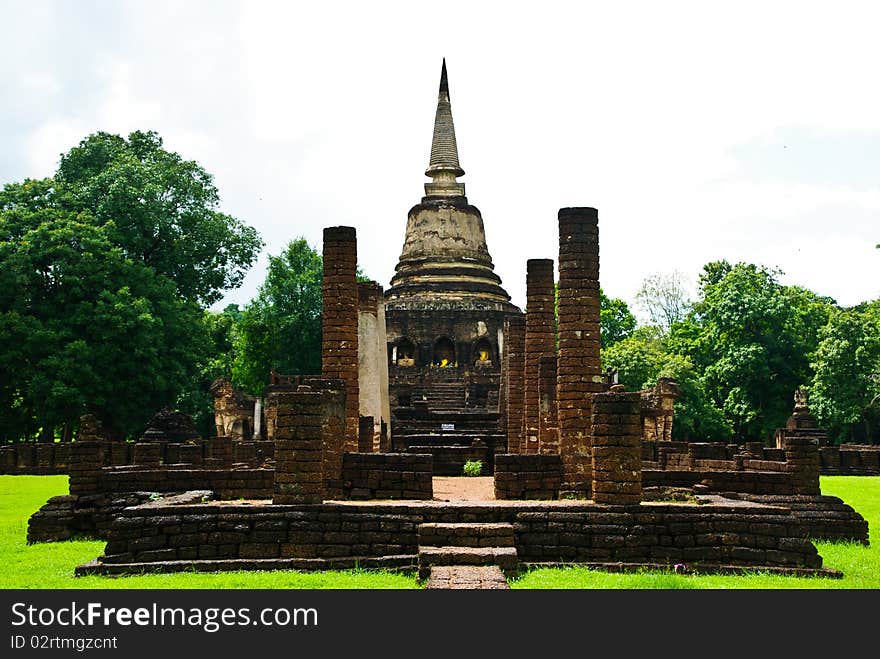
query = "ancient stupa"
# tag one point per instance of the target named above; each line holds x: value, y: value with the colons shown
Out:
x: 445, y: 308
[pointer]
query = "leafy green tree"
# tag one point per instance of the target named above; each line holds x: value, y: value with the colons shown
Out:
x: 84, y: 328
x: 845, y: 390
x: 196, y: 398
x: 160, y: 209
x: 281, y: 328
x: 750, y: 337
x: 105, y: 268
x: 616, y: 322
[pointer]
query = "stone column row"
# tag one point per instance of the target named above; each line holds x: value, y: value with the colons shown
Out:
x: 339, y: 321
x: 617, y: 448
x: 514, y: 364
x: 540, y: 341
x: 579, y: 368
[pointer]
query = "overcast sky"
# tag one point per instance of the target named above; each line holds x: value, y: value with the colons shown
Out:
x: 701, y: 131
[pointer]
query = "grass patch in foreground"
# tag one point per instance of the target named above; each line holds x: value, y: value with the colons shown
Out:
x: 50, y: 565
x: 859, y: 564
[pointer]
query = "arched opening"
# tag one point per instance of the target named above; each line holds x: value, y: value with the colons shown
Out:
x: 483, y: 353
x: 444, y: 352
x: 405, y: 353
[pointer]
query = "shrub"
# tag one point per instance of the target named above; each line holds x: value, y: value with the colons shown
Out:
x: 473, y: 467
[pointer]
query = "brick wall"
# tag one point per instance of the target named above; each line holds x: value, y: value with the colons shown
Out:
x: 527, y: 476
x: 744, y: 534
x: 387, y: 476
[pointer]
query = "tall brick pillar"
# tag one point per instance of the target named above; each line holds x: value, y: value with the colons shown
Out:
x: 617, y: 448
x: 514, y: 365
x: 548, y: 430
x: 579, y: 367
x: 339, y: 321
x: 540, y: 341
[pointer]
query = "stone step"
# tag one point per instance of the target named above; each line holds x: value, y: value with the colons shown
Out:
x: 466, y: 577
x: 504, y: 557
x: 439, y: 534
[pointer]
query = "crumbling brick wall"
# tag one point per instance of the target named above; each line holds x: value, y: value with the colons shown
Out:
x: 387, y: 476
x: 527, y: 476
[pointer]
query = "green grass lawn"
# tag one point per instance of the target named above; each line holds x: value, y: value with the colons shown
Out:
x: 50, y: 565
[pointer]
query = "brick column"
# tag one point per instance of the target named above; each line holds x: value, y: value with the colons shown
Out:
x: 339, y: 321
x: 540, y: 340
x: 299, y: 476
x: 579, y: 368
x: 514, y: 365
x: 548, y: 430
x: 802, y: 459
x: 86, y: 461
x: 617, y: 447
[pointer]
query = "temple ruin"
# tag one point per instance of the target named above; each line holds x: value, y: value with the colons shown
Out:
x: 337, y: 468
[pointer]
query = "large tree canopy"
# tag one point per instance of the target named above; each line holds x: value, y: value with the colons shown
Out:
x: 84, y: 328
x: 159, y: 209
x: 103, y: 271
x: 750, y: 336
x: 845, y: 390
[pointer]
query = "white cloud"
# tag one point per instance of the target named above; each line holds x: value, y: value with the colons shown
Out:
x: 318, y: 114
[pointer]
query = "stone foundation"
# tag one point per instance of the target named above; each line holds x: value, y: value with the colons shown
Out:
x: 157, y: 537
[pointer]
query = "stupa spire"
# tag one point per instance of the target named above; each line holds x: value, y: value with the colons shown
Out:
x: 443, y: 167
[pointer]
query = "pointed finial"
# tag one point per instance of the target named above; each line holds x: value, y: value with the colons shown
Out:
x: 443, y: 167
x: 444, y: 83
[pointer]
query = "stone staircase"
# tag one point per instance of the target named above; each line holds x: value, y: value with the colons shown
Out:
x: 447, y: 545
